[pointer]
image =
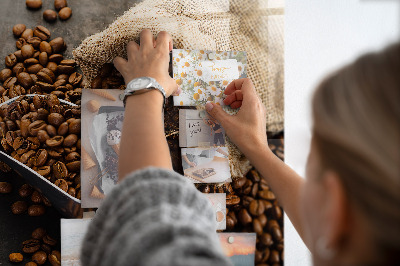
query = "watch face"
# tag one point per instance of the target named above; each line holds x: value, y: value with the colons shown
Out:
x: 140, y: 83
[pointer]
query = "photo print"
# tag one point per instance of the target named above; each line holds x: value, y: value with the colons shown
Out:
x: 206, y: 165
x: 198, y: 129
x: 218, y: 202
x: 102, y: 118
x: 240, y: 248
x: 204, y: 75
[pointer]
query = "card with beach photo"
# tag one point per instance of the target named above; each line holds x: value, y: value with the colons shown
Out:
x: 240, y: 248
x: 206, y: 165
x: 203, y: 75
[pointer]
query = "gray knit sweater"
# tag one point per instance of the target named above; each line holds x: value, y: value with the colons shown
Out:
x: 153, y: 217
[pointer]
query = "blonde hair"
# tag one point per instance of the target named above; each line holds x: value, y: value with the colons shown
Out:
x: 356, y: 114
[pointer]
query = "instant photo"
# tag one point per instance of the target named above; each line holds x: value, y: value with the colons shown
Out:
x: 218, y: 202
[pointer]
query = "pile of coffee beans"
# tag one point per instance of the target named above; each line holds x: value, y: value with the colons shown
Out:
x: 108, y: 78
x: 44, y: 134
x: 50, y: 15
x: 38, y: 66
x: 41, y: 247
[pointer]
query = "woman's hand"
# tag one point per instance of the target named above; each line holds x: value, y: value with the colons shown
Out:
x: 247, y: 129
x: 150, y: 59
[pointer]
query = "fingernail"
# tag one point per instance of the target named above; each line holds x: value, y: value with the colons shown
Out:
x: 209, y: 106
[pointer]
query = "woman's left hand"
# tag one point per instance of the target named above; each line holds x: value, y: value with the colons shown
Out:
x: 150, y: 59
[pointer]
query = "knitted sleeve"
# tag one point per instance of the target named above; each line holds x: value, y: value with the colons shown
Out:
x: 153, y: 217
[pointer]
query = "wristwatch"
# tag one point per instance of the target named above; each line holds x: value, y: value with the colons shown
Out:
x: 142, y: 85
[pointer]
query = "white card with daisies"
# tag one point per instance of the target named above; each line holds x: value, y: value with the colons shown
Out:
x: 204, y: 75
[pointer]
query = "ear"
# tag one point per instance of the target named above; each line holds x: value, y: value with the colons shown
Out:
x: 336, y: 214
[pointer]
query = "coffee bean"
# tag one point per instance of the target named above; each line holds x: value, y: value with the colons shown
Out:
x: 65, y: 13
x: 30, y: 246
x: 60, y: 172
x: 257, y: 226
x: 276, y: 234
x: 43, y: 58
x: 35, y: 42
x: 52, y: 66
x: 63, y: 69
x: 56, y: 58
x: 75, y: 79
x: 266, y: 239
x: 244, y: 217
x: 266, y: 194
x: 60, y: 4
x: 42, y: 32
x: 36, y: 210
x: 57, y: 45
x: 263, y: 219
x: 45, y: 47
x: 25, y: 190
x: 28, y: 33
x: 5, y: 187
x: 34, y: 69
x: 5, y: 74
x: 46, y: 248
x: 256, y: 207
x: 18, y: 29
x: 43, y: 171
x: 50, y: 15
x: 55, y: 119
x: 27, y: 51
x: 49, y: 240
x: 238, y: 183
x: 25, y: 80
x: 36, y: 197
x: 34, y: 4
x: 19, y: 207
x: 75, y: 126
x: 40, y: 257
x: 38, y: 233
x: 31, y: 263
x: 70, y: 140
x: 274, y: 257
x: 16, y: 257
x: 31, y: 61
x: 10, y: 60
x: 55, y: 258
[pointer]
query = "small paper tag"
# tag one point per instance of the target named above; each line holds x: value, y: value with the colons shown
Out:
x: 217, y: 70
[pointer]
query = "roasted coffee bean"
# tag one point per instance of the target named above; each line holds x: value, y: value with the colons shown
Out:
x: 27, y: 51
x: 63, y: 129
x: 49, y: 240
x: 40, y: 257
x: 28, y: 33
x: 47, y: 87
x: 239, y: 183
x: 46, y: 248
x: 266, y: 194
x: 263, y: 185
x: 10, y: 82
x: 263, y: 219
x: 256, y: 207
x: 51, y: 130
x: 45, y: 47
x: 57, y: 45
x: 276, y: 233
x: 75, y: 126
x: 34, y: 127
x: 254, y: 190
x: 38, y: 233
x: 274, y: 257
x: 42, y: 135
x: 244, y: 217
x: 19, y: 207
x: 5, y: 187
x: 36, y: 197
x: 55, y: 258
x: 63, y: 69
x: 65, y: 13
x: 18, y: 29
x: 257, y: 226
x: 52, y: 66
x: 55, y: 141
x: 68, y: 62
x: 36, y: 210
x: 34, y: 69
x: 40, y: 157
x: 18, y: 69
x: 56, y: 58
x: 10, y: 60
x: 31, y: 61
x: 277, y: 212
x: 19, y: 43
x: 232, y: 200
x: 60, y: 171
x: 60, y: 4
x: 42, y: 32
x: 34, y: 4
x: 31, y: 263
x: 246, y: 200
x: 55, y: 119
x: 16, y: 257
x: 30, y: 246
x: 25, y: 190
x: 50, y: 15
x: 44, y: 78
x: 75, y: 79
x: 43, y: 58
x: 246, y: 189
x: 43, y: 171
x: 5, y: 74
x: 266, y: 239
x: 70, y: 140
x: 35, y: 42
x: 230, y: 224
x: 71, y: 191
x: 74, y: 166
x: 25, y: 80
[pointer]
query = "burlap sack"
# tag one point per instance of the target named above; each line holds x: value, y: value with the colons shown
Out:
x: 254, y: 26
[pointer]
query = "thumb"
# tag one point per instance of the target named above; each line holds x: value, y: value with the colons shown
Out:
x: 216, y: 111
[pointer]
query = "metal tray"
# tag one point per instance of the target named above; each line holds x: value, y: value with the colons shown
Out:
x: 68, y: 206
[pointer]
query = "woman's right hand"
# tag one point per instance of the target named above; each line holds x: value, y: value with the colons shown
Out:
x: 247, y: 129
